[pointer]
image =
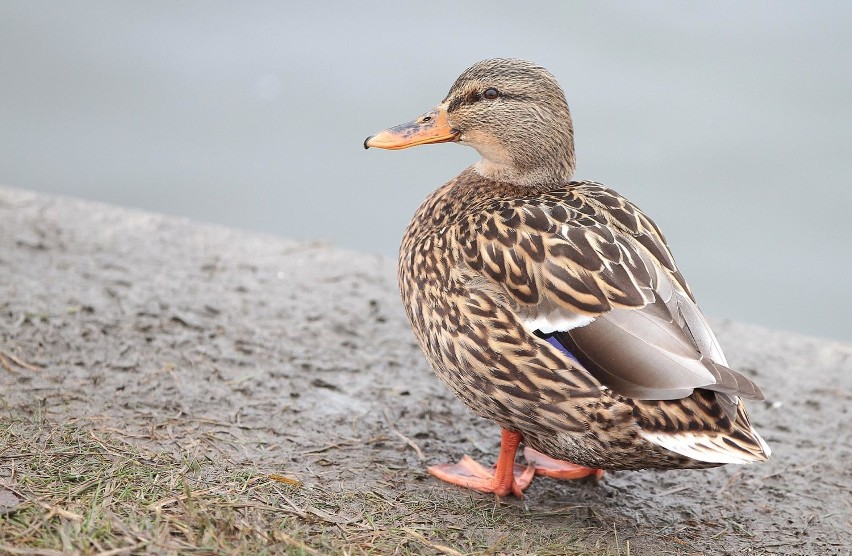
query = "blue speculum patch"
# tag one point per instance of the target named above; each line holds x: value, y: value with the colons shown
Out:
x: 558, y: 345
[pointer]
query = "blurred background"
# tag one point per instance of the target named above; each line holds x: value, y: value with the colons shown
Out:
x: 730, y: 123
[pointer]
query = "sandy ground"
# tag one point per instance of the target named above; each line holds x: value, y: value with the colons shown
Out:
x: 295, y: 358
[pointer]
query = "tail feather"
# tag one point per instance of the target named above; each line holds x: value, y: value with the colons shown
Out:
x: 742, y: 444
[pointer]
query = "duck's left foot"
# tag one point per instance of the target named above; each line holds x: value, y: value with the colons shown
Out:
x: 559, y: 469
x: 471, y: 474
x: 506, y: 478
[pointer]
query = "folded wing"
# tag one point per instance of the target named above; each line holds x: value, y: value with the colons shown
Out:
x: 589, y: 269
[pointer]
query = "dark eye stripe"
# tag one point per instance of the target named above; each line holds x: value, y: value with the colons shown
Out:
x: 476, y: 96
x: 458, y: 101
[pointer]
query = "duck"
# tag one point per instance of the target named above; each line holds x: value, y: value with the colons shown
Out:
x: 554, y: 307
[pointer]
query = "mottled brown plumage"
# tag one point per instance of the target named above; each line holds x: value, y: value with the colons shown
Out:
x: 554, y: 307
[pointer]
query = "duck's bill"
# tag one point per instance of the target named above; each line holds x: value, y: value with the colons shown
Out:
x: 431, y: 127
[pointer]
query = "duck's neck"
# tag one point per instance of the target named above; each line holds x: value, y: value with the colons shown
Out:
x: 540, y: 176
x: 546, y: 161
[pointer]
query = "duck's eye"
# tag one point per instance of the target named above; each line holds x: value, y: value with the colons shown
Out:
x: 490, y: 93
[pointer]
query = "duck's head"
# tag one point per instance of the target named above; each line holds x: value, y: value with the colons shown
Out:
x: 513, y: 112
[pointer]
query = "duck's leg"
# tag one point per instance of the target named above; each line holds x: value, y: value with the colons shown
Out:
x: 505, y: 478
x: 557, y: 468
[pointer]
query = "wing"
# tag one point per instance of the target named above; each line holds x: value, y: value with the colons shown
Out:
x: 584, y: 266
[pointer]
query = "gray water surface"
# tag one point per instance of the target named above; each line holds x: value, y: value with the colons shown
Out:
x: 730, y: 123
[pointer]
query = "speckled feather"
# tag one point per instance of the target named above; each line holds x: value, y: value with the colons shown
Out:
x: 481, y: 259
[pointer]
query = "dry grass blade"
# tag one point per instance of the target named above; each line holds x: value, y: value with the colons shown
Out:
x: 443, y: 549
x: 404, y: 438
x: 5, y: 355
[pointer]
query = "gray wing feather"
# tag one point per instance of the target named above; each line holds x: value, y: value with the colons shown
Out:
x: 639, y: 355
x: 661, y: 351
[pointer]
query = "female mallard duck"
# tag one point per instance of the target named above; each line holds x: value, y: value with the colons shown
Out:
x: 554, y: 307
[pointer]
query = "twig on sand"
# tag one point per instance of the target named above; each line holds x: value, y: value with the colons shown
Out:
x: 674, y: 490
x: 442, y: 548
x: 403, y: 437
x: 295, y: 509
x: 734, y: 478
x: 345, y: 444
x: 6, y: 365
x: 5, y: 357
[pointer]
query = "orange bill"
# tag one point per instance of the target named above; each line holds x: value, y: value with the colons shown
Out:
x: 431, y: 127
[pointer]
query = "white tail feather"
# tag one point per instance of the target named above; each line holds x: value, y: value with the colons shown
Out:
x: 709, y: 448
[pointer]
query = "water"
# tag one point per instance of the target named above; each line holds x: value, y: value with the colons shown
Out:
x: 729, y: 123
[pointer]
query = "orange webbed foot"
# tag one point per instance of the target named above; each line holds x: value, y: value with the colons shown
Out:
x: 559, y: 469
x: 469, y: 473
x: 507, y: 477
